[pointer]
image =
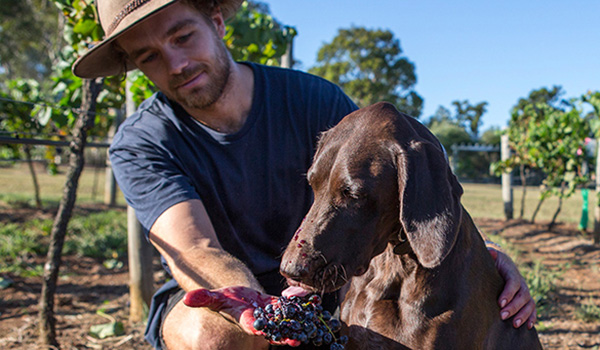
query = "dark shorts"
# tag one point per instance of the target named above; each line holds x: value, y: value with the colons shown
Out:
x: 165, y: 299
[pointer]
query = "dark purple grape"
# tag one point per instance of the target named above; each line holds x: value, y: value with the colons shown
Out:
x: 259, y: 324
x: 301, y: 319
x: 335, y: 325
x: 258, y: 312
x: 269, y: 308
x: 327, y: 338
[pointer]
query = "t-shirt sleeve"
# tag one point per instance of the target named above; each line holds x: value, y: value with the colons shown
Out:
x: 148, y: 175
x: 329, y: 103
x: 342, y: 105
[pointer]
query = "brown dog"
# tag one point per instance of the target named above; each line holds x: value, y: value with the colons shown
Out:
x: 387, y: 214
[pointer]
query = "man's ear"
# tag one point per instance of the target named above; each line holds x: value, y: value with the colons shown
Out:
x: 430, y: 209
x: 219, y: 22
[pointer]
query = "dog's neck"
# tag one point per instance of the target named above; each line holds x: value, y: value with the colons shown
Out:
x: 398, y: 289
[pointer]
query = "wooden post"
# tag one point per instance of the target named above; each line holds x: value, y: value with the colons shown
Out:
x: 507, y: 192
x: 110, y: 185
x: 595, y: 200
x: 140, y: 269
x: 454, y: 160
x: 139, y: 251
x: 287, y: 60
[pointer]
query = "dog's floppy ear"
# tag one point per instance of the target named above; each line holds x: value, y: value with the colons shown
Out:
x: 430, y: 209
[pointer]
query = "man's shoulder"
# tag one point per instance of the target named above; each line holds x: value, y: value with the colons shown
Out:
x: 150, y: 121
x: 289, y: 75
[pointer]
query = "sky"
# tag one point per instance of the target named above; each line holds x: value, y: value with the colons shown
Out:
x: 477, y: 50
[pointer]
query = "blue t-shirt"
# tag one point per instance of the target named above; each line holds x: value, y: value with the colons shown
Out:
x: 252, y: 183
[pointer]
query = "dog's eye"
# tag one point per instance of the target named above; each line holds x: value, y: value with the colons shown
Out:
x: 351, y: 193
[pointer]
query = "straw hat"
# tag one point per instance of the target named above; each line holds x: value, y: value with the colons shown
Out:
x: 116, y: 17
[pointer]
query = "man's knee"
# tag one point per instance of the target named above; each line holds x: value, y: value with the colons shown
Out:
x: 201, y: 329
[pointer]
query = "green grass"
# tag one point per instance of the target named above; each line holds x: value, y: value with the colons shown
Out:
x: 588, y: 311
x: 482, y: 200
x: 485, y: 201
x: 17, y: 185
x: 540, y: 279
x: 99, y: 235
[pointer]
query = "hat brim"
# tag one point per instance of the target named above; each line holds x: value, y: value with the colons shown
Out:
x: 103, y: 60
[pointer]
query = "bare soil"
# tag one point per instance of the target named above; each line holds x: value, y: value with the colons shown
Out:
x: 86, y: 286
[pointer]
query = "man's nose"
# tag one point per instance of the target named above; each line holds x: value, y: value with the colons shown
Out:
x: 175, y: 60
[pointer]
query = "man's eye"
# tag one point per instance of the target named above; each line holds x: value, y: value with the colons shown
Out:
x: 183, y: 38
x: 149, y: 58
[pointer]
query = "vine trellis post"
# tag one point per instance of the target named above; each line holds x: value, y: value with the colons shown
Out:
x: 507, y: 191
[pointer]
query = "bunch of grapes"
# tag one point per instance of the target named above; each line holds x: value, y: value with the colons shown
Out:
x: 301, y: 319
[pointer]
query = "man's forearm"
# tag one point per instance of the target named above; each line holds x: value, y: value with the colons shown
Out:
x: 211, y: 268
x: 185, y: 237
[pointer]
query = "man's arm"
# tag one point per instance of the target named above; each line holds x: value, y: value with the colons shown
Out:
x: 185, y: 237
x: 515, y: 299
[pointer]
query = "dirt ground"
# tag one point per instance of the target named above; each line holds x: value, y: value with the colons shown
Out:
x: 86, y: 286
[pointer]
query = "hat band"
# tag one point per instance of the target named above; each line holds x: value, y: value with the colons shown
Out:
x: 128, y: 9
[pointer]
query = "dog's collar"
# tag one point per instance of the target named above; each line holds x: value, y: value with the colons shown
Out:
x: 402, y: 247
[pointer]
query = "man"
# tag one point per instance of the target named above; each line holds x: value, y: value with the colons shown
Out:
x: 214, y: 164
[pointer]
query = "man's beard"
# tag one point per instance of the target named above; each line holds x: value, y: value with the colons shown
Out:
x: 206, y: 96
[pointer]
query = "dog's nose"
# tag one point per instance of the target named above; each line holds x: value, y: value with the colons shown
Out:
x: 293, y: 271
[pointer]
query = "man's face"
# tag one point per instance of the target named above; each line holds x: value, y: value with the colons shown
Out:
x: 182, y: 53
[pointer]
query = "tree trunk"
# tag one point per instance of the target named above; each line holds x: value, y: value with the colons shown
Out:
x: 560, y: 202
x: 524, y: 173
x: 36, y: 186
x: 537, y: 208
x: 95, y: 178
x: 110, y: 184
x: 85, y: 120
x: 597, y: 224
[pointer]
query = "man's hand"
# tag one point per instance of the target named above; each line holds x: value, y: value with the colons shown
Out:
x: 515, y: 299
x: 238, y: 302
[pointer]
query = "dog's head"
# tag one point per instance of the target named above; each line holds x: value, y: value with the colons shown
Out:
x: 374, y: 174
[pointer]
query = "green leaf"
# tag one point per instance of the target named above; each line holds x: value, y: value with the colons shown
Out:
x: 85, y: 27
x: 111, y: 329
x: 44, y: 115
x: 112, y: 264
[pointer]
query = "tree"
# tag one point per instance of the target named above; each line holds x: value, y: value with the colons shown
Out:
x: 29, y: 36
x: 47, y: 324
x: 368, y: 65
x: 470, y: 116
x: 449, y: 133
x: 555, y: 144
x: 254, y: 35
x: 527, y: 112
x: 491, y: 136
x: 593, y: 99
x: 441, y: 115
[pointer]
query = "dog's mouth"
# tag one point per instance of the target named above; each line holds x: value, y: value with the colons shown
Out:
x: 326, y: 279
x: 306, y: 287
